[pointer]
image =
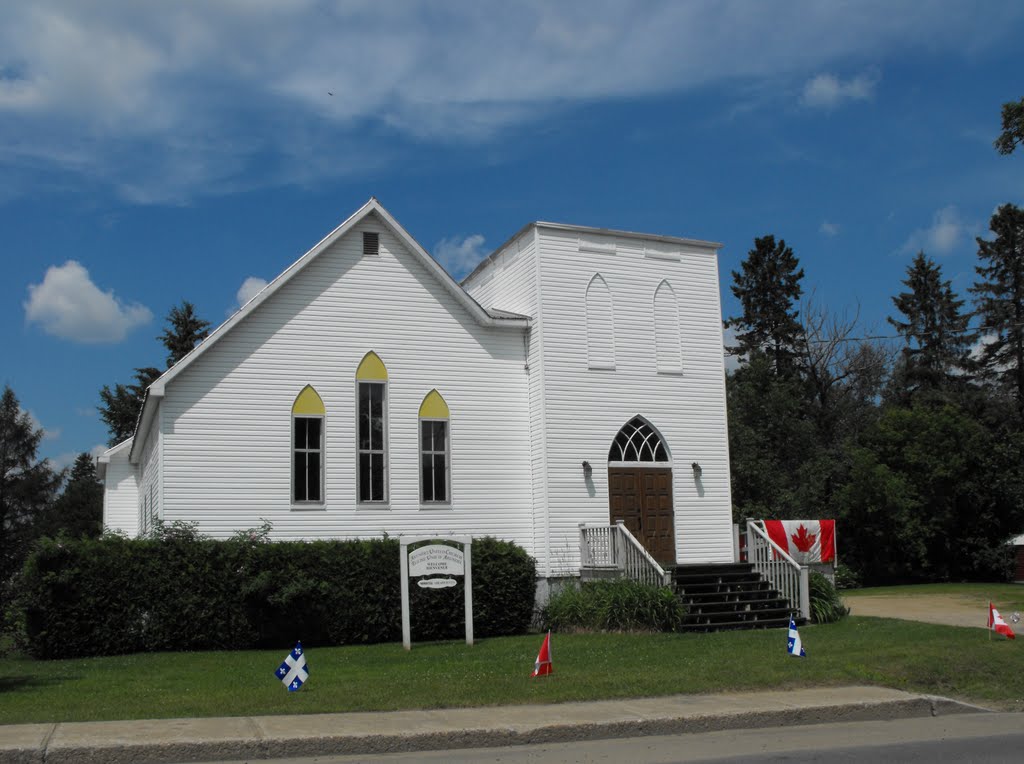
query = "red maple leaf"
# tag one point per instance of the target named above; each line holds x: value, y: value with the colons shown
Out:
x: 803, y: 540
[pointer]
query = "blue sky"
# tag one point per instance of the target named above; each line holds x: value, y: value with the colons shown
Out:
x: 153, y: 155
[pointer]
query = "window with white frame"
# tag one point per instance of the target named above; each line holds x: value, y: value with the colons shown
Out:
x: 371, y: 431
x: 308, y: 447
x: 434, y: 450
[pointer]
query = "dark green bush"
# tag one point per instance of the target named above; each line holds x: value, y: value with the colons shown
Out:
x: 826, y: 604
x: 178, y: 592
x: 620, y: 605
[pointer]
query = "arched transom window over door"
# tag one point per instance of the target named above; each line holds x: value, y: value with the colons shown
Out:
x: 637, y: 441
x: 640, y: 488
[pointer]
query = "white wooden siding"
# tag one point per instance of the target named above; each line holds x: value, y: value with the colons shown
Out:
x: 226, y: 419
x: 584, y: 408
x: 121, y: 496
x: 150, y: 482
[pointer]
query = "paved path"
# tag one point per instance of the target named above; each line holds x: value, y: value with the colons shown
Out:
x: 262, y: 737
x: 948, y: 609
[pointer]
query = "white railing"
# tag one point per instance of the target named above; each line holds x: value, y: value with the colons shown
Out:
x: 614, y: 549
x: 775, y: 564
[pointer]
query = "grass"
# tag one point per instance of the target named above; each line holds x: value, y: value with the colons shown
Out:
x: 944, y: 660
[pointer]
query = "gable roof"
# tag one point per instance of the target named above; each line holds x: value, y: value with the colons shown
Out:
x: 372, y: 207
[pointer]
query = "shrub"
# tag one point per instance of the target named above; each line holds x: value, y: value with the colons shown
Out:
x: 179, y: 591
x: 826, y: 604
x: 846, y: 577
x: 620, y: 605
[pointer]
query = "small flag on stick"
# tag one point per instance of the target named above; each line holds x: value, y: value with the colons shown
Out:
x: 542, y: 666
x: 293, y: 672
x: 794, y: 646
x: 997, y: 624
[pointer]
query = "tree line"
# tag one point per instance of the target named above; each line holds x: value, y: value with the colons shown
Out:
x: 38, y: 500
x: 914, y: 444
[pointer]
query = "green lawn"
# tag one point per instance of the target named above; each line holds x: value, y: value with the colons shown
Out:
x: 945, y: 660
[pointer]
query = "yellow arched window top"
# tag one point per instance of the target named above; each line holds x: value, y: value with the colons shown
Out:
x: 433, y: 406
x: 371, y: 368
x: 308, y: 403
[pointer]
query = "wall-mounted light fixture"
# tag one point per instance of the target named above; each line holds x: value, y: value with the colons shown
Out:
x: 587, y: 470
x: 696, y: 471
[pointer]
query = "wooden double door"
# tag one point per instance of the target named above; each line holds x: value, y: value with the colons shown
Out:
x: 642, y: 498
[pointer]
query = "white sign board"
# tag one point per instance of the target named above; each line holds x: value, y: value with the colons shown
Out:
x: 436, y: 559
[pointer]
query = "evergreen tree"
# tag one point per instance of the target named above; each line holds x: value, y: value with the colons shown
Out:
x: 185, y: 330
x: 1013, y: 127
x: 120, y: 408
x: 78, y: 511
x: 121, y: 405
x: 1000, y: 300
x: 768, y: 287
x: 27, y: 486
x: 934, y: 329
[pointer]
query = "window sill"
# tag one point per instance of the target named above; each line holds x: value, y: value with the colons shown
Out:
x: 369, y: 505
x: 427, y: 506
x: 308, y: 506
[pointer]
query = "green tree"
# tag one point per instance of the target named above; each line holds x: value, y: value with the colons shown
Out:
x: 931, y: 495
x: 772, y: 440
x: 27, y: 485
x: 78, y: 511
x: 1013, y: 127
x: 934, y: 328
x: 768, y: 286
x: 184, y: 331
x: 120, y: 406
x: 999, y: 296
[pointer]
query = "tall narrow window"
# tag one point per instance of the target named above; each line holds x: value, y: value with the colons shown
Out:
x: 307, y: 447
x: 667, y: 341
x: 600, y: 334
x: 371, y: 430
x: 434, y: 450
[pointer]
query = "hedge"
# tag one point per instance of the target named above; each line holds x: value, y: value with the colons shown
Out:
x: 114, y: 595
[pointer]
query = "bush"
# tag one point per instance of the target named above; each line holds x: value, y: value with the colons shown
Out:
x: 826, y: 604
x: 178, y: 591
x: 620, y: 605
x: 846, y: 577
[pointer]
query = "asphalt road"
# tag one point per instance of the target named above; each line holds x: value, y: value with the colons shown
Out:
x: 957, y: 738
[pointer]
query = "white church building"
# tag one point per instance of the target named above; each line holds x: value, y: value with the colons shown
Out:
x: 576, y: 376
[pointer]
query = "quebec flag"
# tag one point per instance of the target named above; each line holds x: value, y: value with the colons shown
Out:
x: 795, y: 648
x: 293, y: 672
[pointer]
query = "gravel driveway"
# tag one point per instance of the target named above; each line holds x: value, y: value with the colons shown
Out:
x: 949, y: 609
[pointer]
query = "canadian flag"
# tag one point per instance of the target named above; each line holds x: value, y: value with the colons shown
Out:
x: 542, y: 666
x: 806, y: 541
x: 997, y: 624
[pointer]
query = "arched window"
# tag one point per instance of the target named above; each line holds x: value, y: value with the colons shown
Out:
x: 435, y: 454
x: 371, y: 430
x: 307, y: 446
x: 667, y: 341
x: 600, y: 331
x: 637, y: 441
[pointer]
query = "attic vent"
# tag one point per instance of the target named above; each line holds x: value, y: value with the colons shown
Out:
x: 371, y: 243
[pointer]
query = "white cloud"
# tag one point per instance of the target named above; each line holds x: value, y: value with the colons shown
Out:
x: 157, y: 106
x: 249, y: 289
x: 460, y: 255
x: 67, y: 304
x: 49, y: 433
x: 940, y: 238
x: 829, y: 229
x: 827, y: 91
